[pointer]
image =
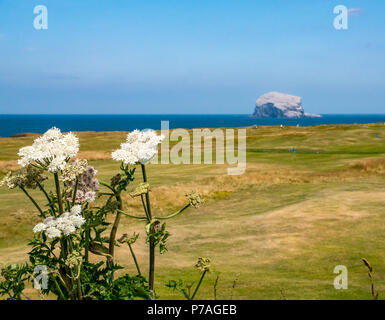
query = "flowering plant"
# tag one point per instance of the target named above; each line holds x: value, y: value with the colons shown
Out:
x: 72, y: 227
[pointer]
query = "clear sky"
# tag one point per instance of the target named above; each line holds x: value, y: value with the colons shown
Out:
x: 190, y: 56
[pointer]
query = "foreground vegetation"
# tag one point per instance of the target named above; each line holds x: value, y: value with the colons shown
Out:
x: 275, y: 232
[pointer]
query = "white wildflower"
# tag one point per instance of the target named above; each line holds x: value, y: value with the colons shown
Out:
x: 90, y: 196
x: 8, y: 181
x: 65, y: 225
x: 52, y: 150
x: 140, y: 147
x: 65, y: 215
x: 50, y: 221
x: 52, y: 232
x: 39, y: 227
x: 76, y: 209
x: 77, y: 220
x: 56, y: 164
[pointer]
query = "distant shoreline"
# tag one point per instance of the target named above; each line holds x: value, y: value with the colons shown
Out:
x: 32, y: 134
x: 11, y: 125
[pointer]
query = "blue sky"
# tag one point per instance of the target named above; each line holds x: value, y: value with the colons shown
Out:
x: 198, y: 56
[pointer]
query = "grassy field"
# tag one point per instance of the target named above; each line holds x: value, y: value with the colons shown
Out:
x: 275, y: 232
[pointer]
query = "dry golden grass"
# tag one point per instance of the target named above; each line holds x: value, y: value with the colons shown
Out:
x: 8, y: 165
x: 284, y: 224
x: 94, y: 155
x: 370, y: 165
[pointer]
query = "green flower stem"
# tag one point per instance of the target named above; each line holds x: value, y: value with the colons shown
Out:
x: 43, y: 190
x: 174, y: 214
x: 87, y: 240
x: 107, y: 185
x: 63, y: 242
x: 79, y: 286
x: 145, y: 209
x: 78, y: 283
x: 198, y: 285
x: 132, y: 216
x: 58, y: 193
x: 67, y: 282
x: 87, y: 244
x: 66, y: 272
x: 33, y: 201
x: 61, y: 295
x: 69, y: 241
x: 106, y: 194
x: 42, y: 165
x: 47, y: 196
x: 70, y: 245
x: 68, y: 206
x: 134, y: 257
x: 64, y: 248
x: 114, y: 229
x: 151, y: 242
x: 35, y: 166
x: 75, y: 191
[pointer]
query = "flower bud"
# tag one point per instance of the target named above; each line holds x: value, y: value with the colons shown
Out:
x: 195, y: 199
x: 203, y: 264
x: 142, y: 188
x: 115, y: 180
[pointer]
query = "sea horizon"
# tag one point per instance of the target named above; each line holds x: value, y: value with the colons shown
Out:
x: 13, y: 124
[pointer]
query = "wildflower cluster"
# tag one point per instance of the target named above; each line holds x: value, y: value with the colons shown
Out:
x: 65, y: 224
x: 73, y: 229
x: 28, y: 177
x: 51, y: 151
x: 140, y: 147
x: 80, y: 176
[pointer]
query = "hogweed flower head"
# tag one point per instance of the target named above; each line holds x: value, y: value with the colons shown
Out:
x: 27, y: 177
x: 140, y: 147
x: 65, y: 224
x: 51, y: 151
x: 39, y: 227
x: 195, y: 199
x: 203, y: 265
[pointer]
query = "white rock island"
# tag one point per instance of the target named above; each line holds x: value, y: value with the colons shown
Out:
x: 280, y: 105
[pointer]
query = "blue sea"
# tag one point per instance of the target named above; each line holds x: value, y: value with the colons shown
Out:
x: 14, y: 124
